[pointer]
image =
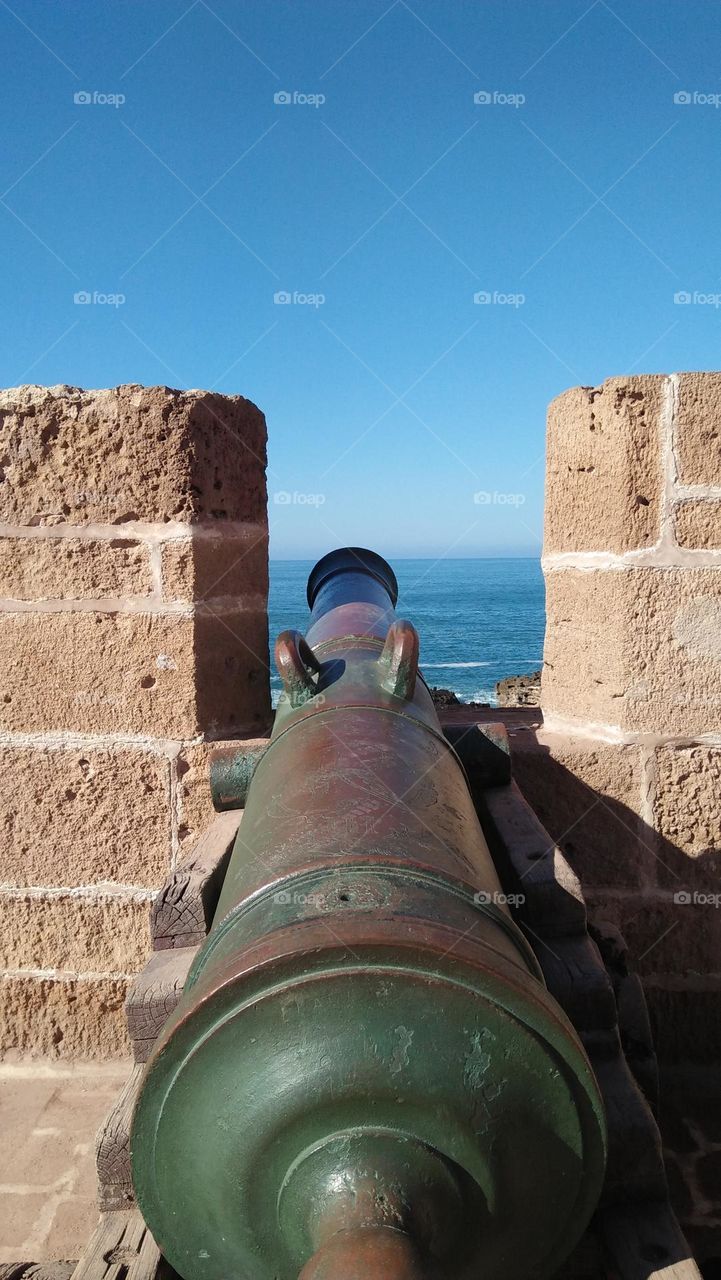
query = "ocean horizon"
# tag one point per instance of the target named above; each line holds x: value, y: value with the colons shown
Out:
x: 480, y: 619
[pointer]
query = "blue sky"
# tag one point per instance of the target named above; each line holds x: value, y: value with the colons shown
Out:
x: 403, y: 414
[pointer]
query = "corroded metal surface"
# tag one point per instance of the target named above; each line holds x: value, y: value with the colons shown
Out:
x: 365, y: 1069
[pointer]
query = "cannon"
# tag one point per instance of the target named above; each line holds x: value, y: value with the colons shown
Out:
x: 366, y: 1076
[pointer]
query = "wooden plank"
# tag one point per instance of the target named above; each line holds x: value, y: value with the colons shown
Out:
x: 183, y: 911
x: 484, y: 753
x: 530, y: 863
x: 112, y: 1150
x: 576, y: 976
x: 36, y: 1270
x: 154, y: 995
x: 120, y: 1248
x: 645, y: 1242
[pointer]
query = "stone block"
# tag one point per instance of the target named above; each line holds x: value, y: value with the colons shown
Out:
x: 697, y: 522
x: 80, y: 934
x: 637, y: 648
x: 63, y: 1018
x: 587, y: 795
x: 698, y: 428
x: 688, y: 817
x: 165, y: 676
x: 663, y: 936
x: 684, y: 1019
x: 73, y: 568
x: 604, y: 476
x: 130, y: 453
x: 82, y: 817
x: 207, y: 568
x: 195, y: 806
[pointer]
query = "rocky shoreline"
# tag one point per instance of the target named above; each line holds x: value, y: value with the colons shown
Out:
x: 514, y: 691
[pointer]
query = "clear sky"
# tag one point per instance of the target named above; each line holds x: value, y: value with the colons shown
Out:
x: 577, y: 195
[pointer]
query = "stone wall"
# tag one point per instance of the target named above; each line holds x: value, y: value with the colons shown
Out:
x: 625, y: 772
x: 133, y: 629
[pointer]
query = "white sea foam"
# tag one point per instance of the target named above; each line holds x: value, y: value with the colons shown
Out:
x: 427, y: 666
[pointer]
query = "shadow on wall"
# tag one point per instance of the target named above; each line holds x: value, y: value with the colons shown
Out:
x: 667, y: 905
x: 223, y: 566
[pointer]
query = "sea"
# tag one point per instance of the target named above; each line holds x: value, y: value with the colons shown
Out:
x: 478, y: 620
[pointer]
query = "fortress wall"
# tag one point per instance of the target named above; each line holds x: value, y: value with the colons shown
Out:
x: 626, y: 771
x: 133, y: 629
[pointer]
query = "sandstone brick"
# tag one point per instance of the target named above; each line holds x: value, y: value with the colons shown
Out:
x: 194, y: 803
x: 684, y: 1019
x: 638, y: 648
x: 79, y: 817
x: 698, y: 524
x: 129, y: 453
x: 63, y: 1017
x: 587, y: 795
x: 168, y: 676
x: 698, y: 428
x: 76, y: 934
x: 663, y: 936
x: 208, y: 568
x: 73, y: 568
x: 688, y: 818
x: 195, y: 807
x: 604, y: 478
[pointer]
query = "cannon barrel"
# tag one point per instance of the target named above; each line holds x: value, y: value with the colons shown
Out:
x: 365, y: 1076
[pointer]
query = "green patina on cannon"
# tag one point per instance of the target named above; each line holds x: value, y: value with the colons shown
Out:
x: 365, y: 1076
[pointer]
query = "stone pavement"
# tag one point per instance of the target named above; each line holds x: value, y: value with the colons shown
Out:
x: 49, y: 1116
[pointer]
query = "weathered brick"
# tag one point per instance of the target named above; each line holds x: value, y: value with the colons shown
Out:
x: 78, y: 934
x: 195, y: 807
x: 684, y: 1019
x: 698, y: 428
x: 688, y: 817
x: 168, y: 676
x: 698, y: 524
x: 604, y: 478
x: 587, y: 795
x: 82, y: 817
x: 637, y: 648
x: 129, y: 453
x: 203, y: 568
x: 194, y: 804
x: 63, y: 1017
x: 73, y: 568
x: 663, y: 936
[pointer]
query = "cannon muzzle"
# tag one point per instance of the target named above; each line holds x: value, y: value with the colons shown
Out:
x: 365, y: 1076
